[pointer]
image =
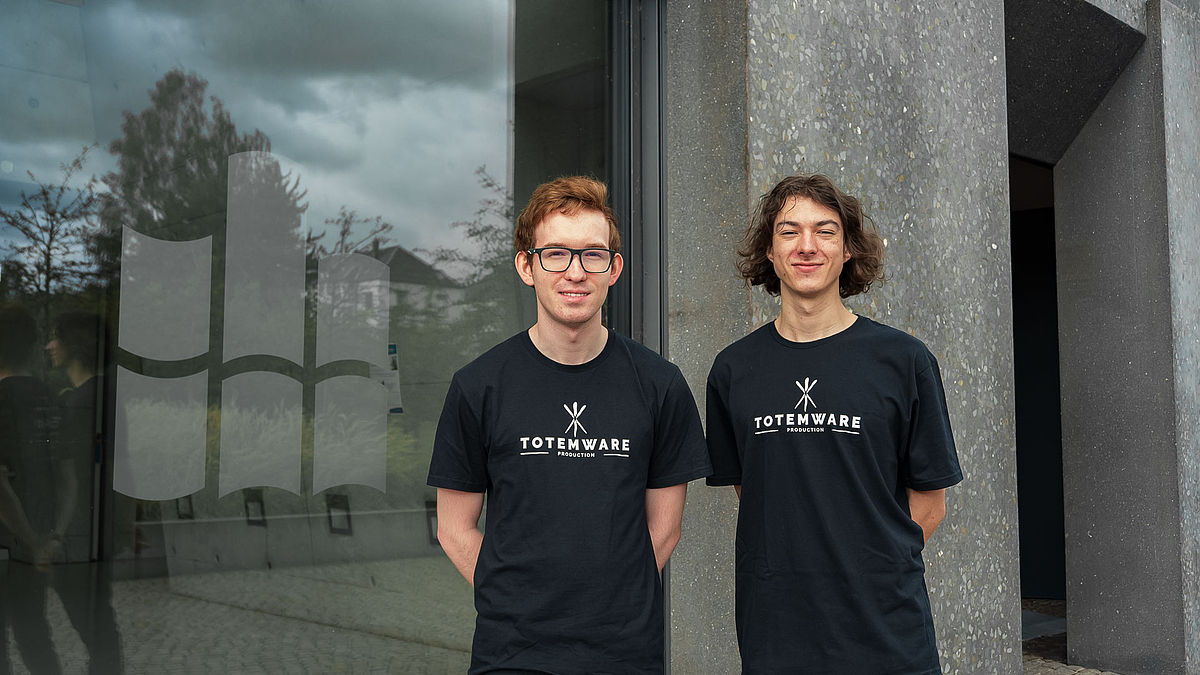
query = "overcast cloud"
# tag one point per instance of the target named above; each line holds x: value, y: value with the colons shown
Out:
x: 389, y: 107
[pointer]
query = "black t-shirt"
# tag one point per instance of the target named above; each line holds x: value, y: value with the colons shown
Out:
x: 566, y: 581
x: 29, y: 448
x: 824, y: 437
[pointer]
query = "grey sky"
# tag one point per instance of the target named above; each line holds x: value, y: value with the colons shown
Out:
x: 388, y: 106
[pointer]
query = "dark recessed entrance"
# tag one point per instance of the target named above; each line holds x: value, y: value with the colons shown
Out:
x: 1062, y: 58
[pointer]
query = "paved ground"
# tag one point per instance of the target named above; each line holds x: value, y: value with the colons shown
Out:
x: 359, y: 618
x: 1047, y: 655
x: 283, y: 622
x: 1036, y: 666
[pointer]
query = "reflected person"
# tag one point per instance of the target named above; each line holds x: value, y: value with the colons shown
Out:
x: 38, y: 488
x: 583, y: 441
x: 76, y: 345
x: 833, y: 429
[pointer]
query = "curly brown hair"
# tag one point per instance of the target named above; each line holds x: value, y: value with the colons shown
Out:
x: 568, y: 195
x: 862, y: 240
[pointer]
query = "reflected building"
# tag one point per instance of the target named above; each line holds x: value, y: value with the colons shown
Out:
x: 416, y: 284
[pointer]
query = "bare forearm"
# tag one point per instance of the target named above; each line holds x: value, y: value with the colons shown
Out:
x: 664, y: 541
x: 927, y: 509
x: 458, y: 529
x: 12, y: 514
x: 664, y: 517
x: 462, y: 547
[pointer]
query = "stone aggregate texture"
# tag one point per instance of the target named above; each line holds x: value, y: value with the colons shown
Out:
x: 1088, y: 47
x: 708, y: 308
x: 903, y: 104
x: 1179, y: 25
x: 1131, y: 12
x: 1132, y: 488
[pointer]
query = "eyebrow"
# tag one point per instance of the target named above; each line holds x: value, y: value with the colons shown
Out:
x: 556, y: 244
x: 819, y: 223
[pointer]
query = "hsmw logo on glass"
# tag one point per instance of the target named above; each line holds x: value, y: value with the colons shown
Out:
x: 241, y: 350
x: 574, y: 446
x: 806, y: 421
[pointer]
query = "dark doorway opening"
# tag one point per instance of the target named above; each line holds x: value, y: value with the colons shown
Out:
x: 1035, y: 374
x: 1038, y: 410
x: 1061, y: 59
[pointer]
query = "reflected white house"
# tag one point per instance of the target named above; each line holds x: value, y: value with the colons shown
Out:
x: 415, y: 285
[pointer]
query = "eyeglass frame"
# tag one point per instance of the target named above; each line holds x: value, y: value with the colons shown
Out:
x: 575, y: 252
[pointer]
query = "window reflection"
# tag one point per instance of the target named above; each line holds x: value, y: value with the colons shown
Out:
x: 242, y: 254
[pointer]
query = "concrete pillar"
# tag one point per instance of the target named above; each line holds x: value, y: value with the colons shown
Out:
x: 1127, y: 206
x: 903, y: 105
x: 707, y: 193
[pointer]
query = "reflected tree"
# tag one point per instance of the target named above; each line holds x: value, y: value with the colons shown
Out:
x: 355, y: 234
x: 173, y: 180
x: 55, y: 221
x: 444, y: 327
x: 173, y: 163
x: 494, y: 293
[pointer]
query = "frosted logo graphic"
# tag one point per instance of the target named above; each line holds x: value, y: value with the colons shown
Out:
x: 805, y: 388
x: 575, y: 412
x: 284, y: 363
x: 574, y: 447
x: 805, y: 421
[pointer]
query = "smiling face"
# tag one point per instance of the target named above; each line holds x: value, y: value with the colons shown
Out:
x: 808, y: 249
x: 571, y: 299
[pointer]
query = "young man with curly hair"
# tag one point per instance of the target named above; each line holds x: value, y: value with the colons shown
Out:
x: 834, y: 432
x: 584, y: 442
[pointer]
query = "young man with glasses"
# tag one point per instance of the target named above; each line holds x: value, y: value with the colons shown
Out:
x: 833, y: 430
x: 583, y: 442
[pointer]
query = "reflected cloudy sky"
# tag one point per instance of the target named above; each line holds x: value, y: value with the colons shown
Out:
x: 389, y: 106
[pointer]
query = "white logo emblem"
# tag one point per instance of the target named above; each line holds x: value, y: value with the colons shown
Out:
x: 575, y: 412
x: 805, y: 399
x: 263, y: 416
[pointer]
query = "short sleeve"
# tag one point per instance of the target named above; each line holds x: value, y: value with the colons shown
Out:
x: 679, y: 454
x: 930, y: 461
x: 459, y: 457
x: 722, y: 442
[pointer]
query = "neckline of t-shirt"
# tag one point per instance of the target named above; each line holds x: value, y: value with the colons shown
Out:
x: 564, y: 367
x: 859, y: 320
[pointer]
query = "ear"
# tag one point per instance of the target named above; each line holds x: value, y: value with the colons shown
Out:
x: 524, y: 264
x: 618, y: 264
x: 771, y: 254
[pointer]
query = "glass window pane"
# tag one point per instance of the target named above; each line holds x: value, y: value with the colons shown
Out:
x: 242, y: 255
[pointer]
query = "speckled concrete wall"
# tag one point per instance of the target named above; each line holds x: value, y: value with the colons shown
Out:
x: 1180, y: 28
x: 1119, y: 250
x: 1132, y: 12
x: 903, y: 105
x: 706, y: 213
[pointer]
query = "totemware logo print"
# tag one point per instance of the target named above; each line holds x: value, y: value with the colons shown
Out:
x: 806, y: 421
x: 573, y: 446
x: 575, y: 411
x: 806, y: 399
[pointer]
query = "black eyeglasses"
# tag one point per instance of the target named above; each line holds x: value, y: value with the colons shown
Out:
x: 558, y: 259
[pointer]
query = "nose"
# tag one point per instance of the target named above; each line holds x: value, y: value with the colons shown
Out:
x: 808, y: 242
x: 575, y: 271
